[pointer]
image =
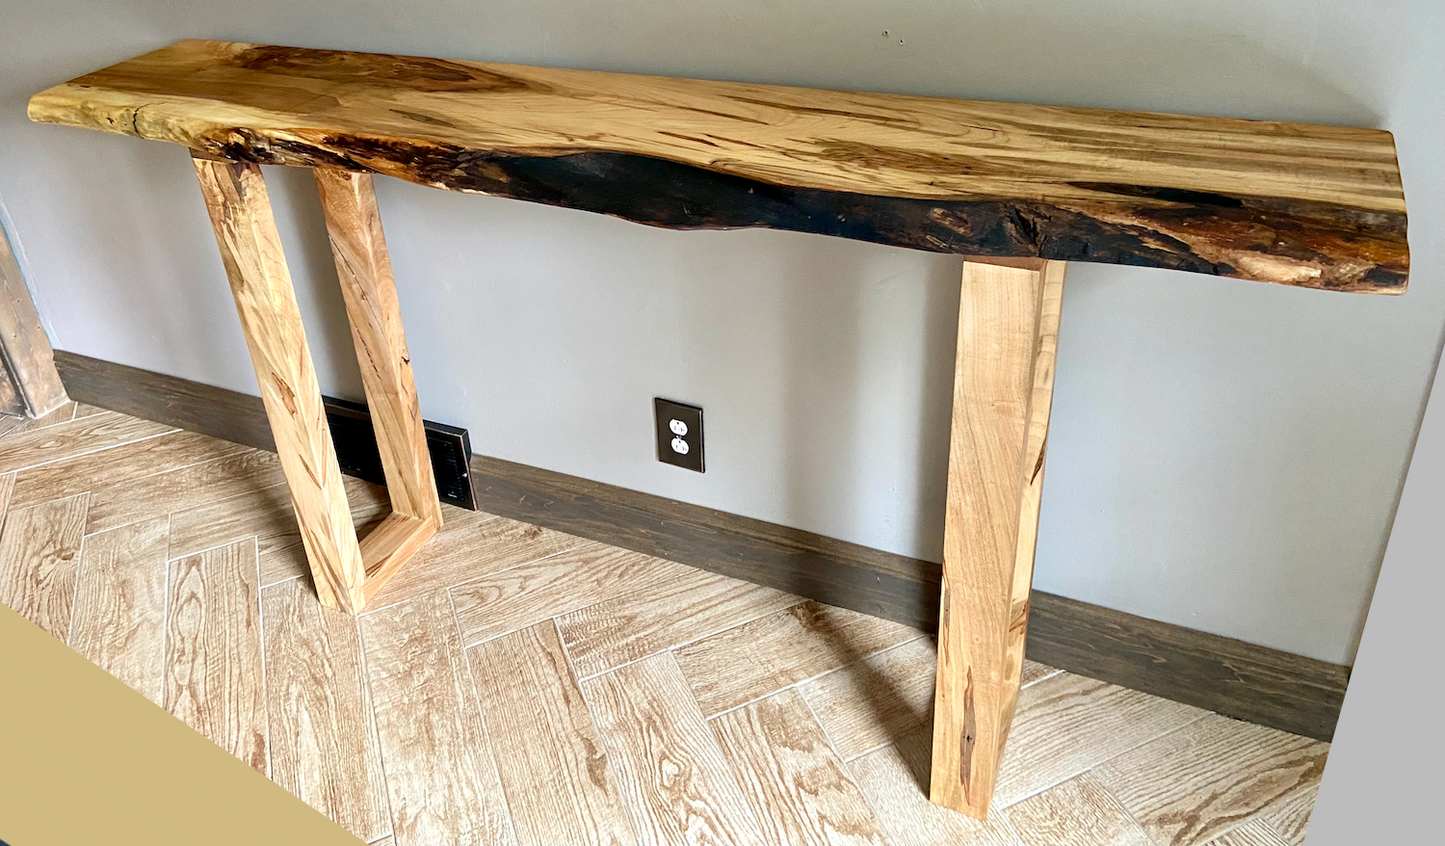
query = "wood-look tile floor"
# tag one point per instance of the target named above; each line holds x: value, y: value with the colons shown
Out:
x: 518, y: 685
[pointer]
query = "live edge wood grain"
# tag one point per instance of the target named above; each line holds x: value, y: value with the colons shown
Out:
x: 1308, y: 205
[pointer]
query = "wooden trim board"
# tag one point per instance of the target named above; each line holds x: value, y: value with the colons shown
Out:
x: 231, y: 416
x: 1234, y: 678
x: 30, y: 384
x: 194, y: 406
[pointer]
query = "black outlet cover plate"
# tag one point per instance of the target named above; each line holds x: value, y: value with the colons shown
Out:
x: 679, y: 434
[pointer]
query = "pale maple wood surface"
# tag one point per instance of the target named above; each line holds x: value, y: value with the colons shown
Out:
x: 618, y: 631
x: 347, y: 572
x: 172, y: 490
x: 895, y: 778
x: 795, y: 782
x: 1250, y: 833
x: 1301, y: 204
x: 33, y: 446
x: 726, y: 671
x: 877, y: 698
x: 666, y: 759
x: 1069, y: 724
x: 1081, y: 810
x: 1245, y: 767
x: 1008, y: 323
x: 452, y: 711
x: 577, y: 578
x: 535, y: 710
x: 441, y: 771
x: 245, y: 230
x: 38, y: 561
x: 363, y: 266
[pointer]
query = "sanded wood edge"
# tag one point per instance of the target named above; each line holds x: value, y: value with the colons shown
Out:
x: 988, y: 472
x: 1240, y: 680
x: 1035, y: 452
x: 363, y: 268
x: 390, y: 545
x: 26, y: 351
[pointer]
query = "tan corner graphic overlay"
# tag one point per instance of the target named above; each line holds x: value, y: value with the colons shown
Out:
x: 85, y: 759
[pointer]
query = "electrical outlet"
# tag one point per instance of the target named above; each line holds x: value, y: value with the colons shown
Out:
x: 679, y: 434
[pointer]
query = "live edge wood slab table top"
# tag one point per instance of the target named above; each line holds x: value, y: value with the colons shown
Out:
x: 1018, y: 190
x: 1319, y: 206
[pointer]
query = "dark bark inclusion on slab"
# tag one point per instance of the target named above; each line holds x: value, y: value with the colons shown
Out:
x: 1123, y: 224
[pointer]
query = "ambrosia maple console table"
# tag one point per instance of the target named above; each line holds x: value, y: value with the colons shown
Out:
x: 1018, y: 190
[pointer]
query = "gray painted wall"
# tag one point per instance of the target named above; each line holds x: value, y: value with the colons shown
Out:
x: 1225, y: 455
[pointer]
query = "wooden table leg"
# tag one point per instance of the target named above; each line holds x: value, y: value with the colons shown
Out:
x: 1003, y: 386
x: 347, y: 573
x: 364, y: 268
x: 251, y: 250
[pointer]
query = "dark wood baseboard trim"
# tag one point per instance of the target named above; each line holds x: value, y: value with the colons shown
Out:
x: 874, y: 582
x: 1234, y: 678
x: 171, y: 400
x: 241, y: 418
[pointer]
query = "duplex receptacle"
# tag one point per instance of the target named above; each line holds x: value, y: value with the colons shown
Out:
x: 679, y: 434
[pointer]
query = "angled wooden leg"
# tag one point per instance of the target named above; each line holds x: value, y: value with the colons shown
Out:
x: 1003, y: 386
x: 364, y: 268
x: 251, y: 250
x: 1035, y: 453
